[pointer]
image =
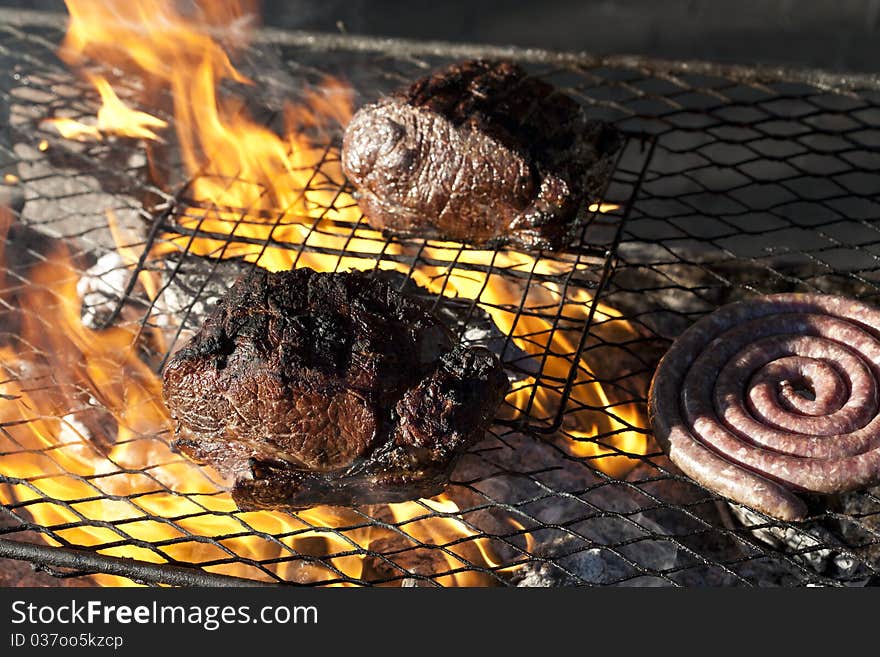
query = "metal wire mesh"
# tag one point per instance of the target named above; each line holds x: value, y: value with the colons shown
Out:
x: 730, y: 184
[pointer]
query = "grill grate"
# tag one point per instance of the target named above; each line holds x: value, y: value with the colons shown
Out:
x: 732, y: 182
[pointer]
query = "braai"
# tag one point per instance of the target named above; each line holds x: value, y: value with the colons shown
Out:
x: 479, y: 152
x: 311, y: 388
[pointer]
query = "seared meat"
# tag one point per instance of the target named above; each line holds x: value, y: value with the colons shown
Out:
x: 312, y: 388
x: 479, y: 152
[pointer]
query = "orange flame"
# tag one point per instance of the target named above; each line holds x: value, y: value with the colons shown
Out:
x: 59, y: 372
x: 248, y: 187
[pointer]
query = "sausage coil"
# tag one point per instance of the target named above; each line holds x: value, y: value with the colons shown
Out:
x: 772, y: 396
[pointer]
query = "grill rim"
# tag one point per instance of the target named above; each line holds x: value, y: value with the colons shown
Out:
x: 824, y: 79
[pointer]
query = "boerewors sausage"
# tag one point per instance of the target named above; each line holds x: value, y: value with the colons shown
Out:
x: 774, y: 395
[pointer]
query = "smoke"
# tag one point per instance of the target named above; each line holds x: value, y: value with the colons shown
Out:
x: 319, y: 15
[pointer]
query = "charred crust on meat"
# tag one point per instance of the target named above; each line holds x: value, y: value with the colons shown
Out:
x: 478, y: 152
x: 328, y: 388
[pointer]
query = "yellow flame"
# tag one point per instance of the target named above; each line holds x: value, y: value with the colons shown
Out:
x: 74, y: 130
x: 116, y: 118
x: 45, y: 443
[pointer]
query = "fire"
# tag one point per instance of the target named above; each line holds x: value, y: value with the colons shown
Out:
x: 235, y: 164
x: 61, y: 383
x: 73, y: 129
x: 257, y: 194
x: 114, y: 118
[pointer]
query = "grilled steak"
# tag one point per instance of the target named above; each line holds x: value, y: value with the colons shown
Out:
x: 312, y: 388
x: 479, y: 152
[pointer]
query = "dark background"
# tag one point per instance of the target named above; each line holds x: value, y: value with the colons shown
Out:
x: 833, y: 34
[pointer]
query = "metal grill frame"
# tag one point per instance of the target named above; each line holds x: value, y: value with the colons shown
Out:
x: 613, y: 262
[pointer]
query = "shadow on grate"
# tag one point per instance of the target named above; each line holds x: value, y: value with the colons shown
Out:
x: 729, y: 185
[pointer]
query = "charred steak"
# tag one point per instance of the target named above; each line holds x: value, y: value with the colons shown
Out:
x: 479, y: 152
x: 311, y: 388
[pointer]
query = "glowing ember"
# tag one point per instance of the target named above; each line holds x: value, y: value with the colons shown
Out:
x: 603, y: 208
x: 253, y: 185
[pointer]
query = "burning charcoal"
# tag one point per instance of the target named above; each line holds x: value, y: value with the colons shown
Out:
x: 543, y: 575
x: 807, y: 543
x: 657, y: 519
x: 102, y: 288
x: 858, y: 522
x: 673, y: 291
x: 691, y: 511
x: 190, y: 287
x: 677, y: 286
x: 400, y: 561
x: 838, y: 544
x: 592, y: 524
x: 593, y: 566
